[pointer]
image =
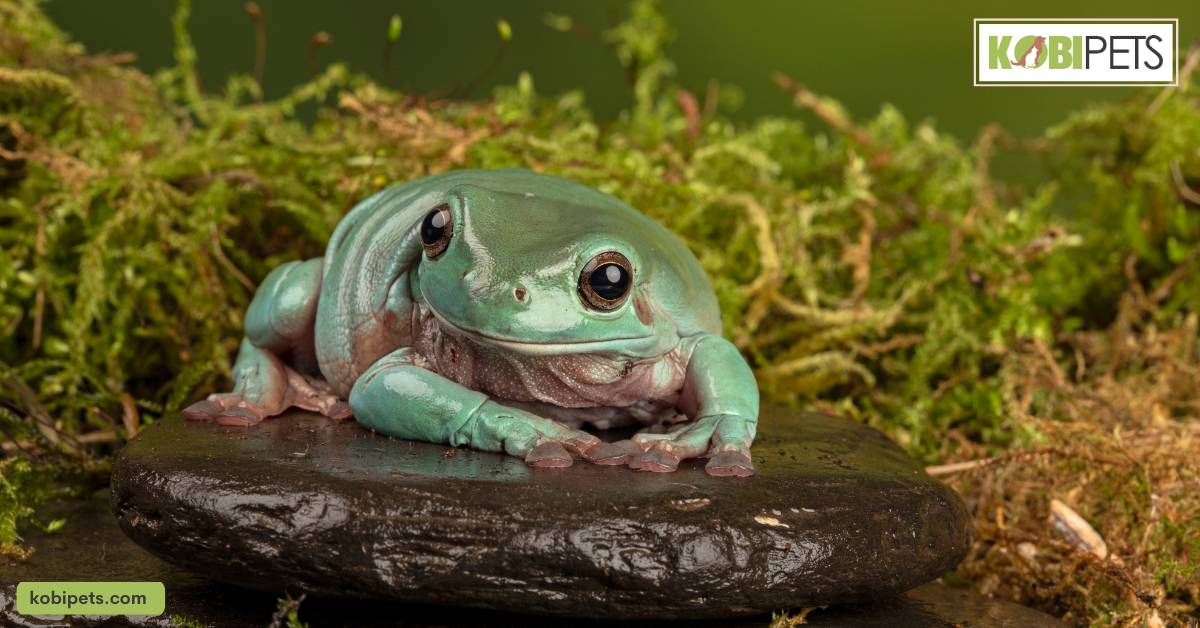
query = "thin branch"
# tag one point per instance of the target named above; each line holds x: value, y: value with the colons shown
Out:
x: 286, y: 608
x: 227, y: 263
x: 691, y: 112
x: 804, y: 98
x: 1189, y: 65
x: 91, y: 438
x: 389, y: 43
x: 505, y: 32
x: 318, y: 41
x: 260, y: 42
x: 971, y: 465
x: 1181, y: 186
x: 129, y: 415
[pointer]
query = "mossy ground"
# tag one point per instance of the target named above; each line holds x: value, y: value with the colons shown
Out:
x: 1045, y: 335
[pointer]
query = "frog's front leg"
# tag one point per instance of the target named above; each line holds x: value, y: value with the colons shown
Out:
x: 398, y: 397
x: 721, y: 395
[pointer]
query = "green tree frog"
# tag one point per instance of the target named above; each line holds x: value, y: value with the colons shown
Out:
x: 502, y: 310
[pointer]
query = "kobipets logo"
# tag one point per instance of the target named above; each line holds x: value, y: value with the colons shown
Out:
x: 1076, y: 52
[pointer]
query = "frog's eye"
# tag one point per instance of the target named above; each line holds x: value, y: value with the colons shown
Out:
x: 605, y: 281
x: 436, y: 229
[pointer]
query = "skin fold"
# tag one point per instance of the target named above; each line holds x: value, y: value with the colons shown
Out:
x: 491, y: 336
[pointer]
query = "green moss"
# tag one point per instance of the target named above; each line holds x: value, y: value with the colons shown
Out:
x: 23, y: 485
x: 180, y: 621
x: 287, y: 613
x: 871, y: 267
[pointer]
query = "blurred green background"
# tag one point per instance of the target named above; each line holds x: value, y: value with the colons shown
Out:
x: 916, y: 55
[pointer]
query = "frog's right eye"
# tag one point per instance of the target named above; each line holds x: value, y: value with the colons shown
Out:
x: 436, y: 229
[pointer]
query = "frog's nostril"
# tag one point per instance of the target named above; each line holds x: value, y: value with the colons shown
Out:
x: 519, y: 294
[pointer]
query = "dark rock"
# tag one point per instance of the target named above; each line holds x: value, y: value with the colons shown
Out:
x: 836, y: 513
x: 91, y: 547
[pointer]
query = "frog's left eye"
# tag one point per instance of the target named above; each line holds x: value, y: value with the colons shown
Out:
x: 606, y: 280
x: 436, y: 229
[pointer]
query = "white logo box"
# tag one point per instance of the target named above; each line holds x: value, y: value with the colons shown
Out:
x: 1111, y: 49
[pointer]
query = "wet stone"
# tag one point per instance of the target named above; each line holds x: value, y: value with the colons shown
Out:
x: 836, y: 514
x: 91, y: 547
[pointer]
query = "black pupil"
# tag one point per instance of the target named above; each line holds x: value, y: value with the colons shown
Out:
x: 610, y: 281
x: 433, y: 228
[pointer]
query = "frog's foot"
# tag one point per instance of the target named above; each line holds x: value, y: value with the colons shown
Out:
x: 227, y: 409
x: 550, y: 444
x: 619, y: 452
x: 557, y: 454
x: 316, y: 395
x: 553, y: 448
x: 253, y: 401
x: 724, y: 439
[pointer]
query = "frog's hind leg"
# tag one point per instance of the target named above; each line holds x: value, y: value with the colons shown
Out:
x: 264, y: 387
x: 269, y: 375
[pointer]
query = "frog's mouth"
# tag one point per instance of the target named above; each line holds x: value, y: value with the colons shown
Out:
x: 620, y: 344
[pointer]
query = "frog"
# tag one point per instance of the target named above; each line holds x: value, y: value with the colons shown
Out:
x: 502, y: 310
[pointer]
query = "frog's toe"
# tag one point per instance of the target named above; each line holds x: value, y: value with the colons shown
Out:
x: 203, y: 410
x: 656, y: 459
x: 612, y: 453
x: 339, y: 411
x: 239, y: 416
x: 548, y: 454
x: 730, y: 463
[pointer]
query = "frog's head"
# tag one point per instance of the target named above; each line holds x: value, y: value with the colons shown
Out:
x: 552, y: 267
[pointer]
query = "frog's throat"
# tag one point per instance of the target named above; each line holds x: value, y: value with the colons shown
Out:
x: 621, y: 344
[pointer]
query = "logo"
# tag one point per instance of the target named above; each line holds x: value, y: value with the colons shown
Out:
x: 1019, y: 51
x: 91, y: 598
